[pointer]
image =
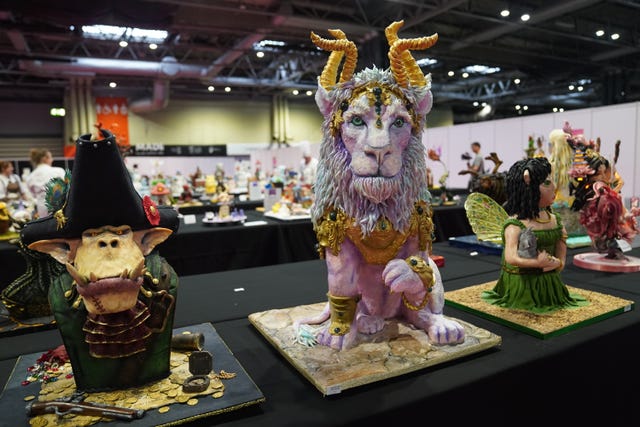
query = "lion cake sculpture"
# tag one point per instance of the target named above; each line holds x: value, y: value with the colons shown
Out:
x: 372, y: 215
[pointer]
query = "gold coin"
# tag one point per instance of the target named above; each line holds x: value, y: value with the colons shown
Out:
x: 164, y: 386
x: 172, y: 393
x: 28, y: 398
x: 216, y: 383
x: 164, y: 409
x: 226, y: 375
x: 131, y: 399
x: 182, y: 398
x: 156, y: 395
x: 38, y: 422
x: 192, y: 402
x: 217, y: 394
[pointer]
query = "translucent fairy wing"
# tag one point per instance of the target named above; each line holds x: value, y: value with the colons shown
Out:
x: 486, y: 217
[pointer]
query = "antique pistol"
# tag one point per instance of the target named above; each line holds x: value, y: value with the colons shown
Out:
x: 77, y: 405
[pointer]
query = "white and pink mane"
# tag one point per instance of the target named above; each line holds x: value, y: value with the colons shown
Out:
x: 336, y: 185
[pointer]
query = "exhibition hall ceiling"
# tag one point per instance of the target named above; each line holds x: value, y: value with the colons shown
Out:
x: 569, y: 54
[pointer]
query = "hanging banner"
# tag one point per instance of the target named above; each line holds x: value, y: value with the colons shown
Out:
x: 113, y: 114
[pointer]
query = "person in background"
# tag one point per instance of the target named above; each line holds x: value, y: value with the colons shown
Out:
x: 11, y: 186
x: 475, y: 166
x: 43, y: 172
x: 308, y: 167
x: 477, y: 163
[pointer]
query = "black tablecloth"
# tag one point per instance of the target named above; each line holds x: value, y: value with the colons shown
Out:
x: 588, y: 375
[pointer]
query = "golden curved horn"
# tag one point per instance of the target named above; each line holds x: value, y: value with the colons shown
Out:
x: 338, y: 48
x: 404, y: 67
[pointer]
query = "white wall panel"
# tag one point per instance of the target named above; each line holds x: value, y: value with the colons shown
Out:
x: 611, y: 124
x: 508, y: 143
x: 459, y: 143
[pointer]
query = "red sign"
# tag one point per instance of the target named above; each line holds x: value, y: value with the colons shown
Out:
x: 113, y: 115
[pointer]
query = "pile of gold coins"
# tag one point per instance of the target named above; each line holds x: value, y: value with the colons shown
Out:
x: 159, y: 395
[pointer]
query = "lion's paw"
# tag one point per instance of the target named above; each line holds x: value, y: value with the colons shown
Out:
x: 338, y: 342
x: 368, y: 324
x: 445, y: 331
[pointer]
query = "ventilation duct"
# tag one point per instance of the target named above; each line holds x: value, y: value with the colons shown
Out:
x: 159, y: 100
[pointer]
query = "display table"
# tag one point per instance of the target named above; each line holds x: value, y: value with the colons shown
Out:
x: 586, y: 376
x: 199, y: 248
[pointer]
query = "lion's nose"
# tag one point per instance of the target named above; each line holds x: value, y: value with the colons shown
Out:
x: 377, y: 153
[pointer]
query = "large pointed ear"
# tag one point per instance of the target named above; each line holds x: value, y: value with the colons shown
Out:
x: 424, y: 104
x: 62, y: 250
x: 323, y: 101
x: 149, y: 239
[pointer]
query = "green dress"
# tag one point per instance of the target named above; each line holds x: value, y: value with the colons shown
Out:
x: 532, y: 289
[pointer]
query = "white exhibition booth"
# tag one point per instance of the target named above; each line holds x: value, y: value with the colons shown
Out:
x: 509, y: 139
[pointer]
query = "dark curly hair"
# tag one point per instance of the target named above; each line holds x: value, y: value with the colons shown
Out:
x: 522, y: 198
x: 582, y: 189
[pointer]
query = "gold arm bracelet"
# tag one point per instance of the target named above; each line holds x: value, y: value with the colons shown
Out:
x: 343, y: 310
x: 427, y: 277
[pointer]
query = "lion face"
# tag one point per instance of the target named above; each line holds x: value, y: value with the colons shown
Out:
x: 376, y: 137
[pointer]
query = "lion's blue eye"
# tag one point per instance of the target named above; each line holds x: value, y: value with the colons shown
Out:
x: 357, y: 121
x: 399, y: 122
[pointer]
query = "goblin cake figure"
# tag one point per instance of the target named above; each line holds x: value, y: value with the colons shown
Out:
x: 114, y: 305
x: 371, y: 213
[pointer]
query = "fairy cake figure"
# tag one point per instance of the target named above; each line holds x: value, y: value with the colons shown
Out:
x: 597, y: 199
x: 533, y: 238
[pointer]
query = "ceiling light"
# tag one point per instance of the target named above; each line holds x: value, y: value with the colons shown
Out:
x: 57, y: 112
x: 486, y: 110
x: 600, y: 33
x: 561, y: 110
x: 504, y: 13
x: 555, y: 109
x: 309, y: 92
x: 465, y: 75
x: 211, y: 88
x: 571, y: 87
x: 517, y: 107
x: 580, y: 88
x: 153, y: 46
x: 516, y: 81
x: 424, y: 62
x: 481, y: 69
x: 227, y: 89
x: 260, y: 54
x: 123, y: 43
x: 525, y: 17
x: 270, y: 43
x: 615, y: 36
x: 113, y: 84
x: 112, y: 32
x: 450, y: 73
x: 476, y: 103
x: 525, y: 108
x: 295, y: 91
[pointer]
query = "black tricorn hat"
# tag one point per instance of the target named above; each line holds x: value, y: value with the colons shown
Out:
x: 100, y: 193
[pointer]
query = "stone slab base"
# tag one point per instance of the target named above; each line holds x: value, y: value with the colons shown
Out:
x: 396, y: 350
